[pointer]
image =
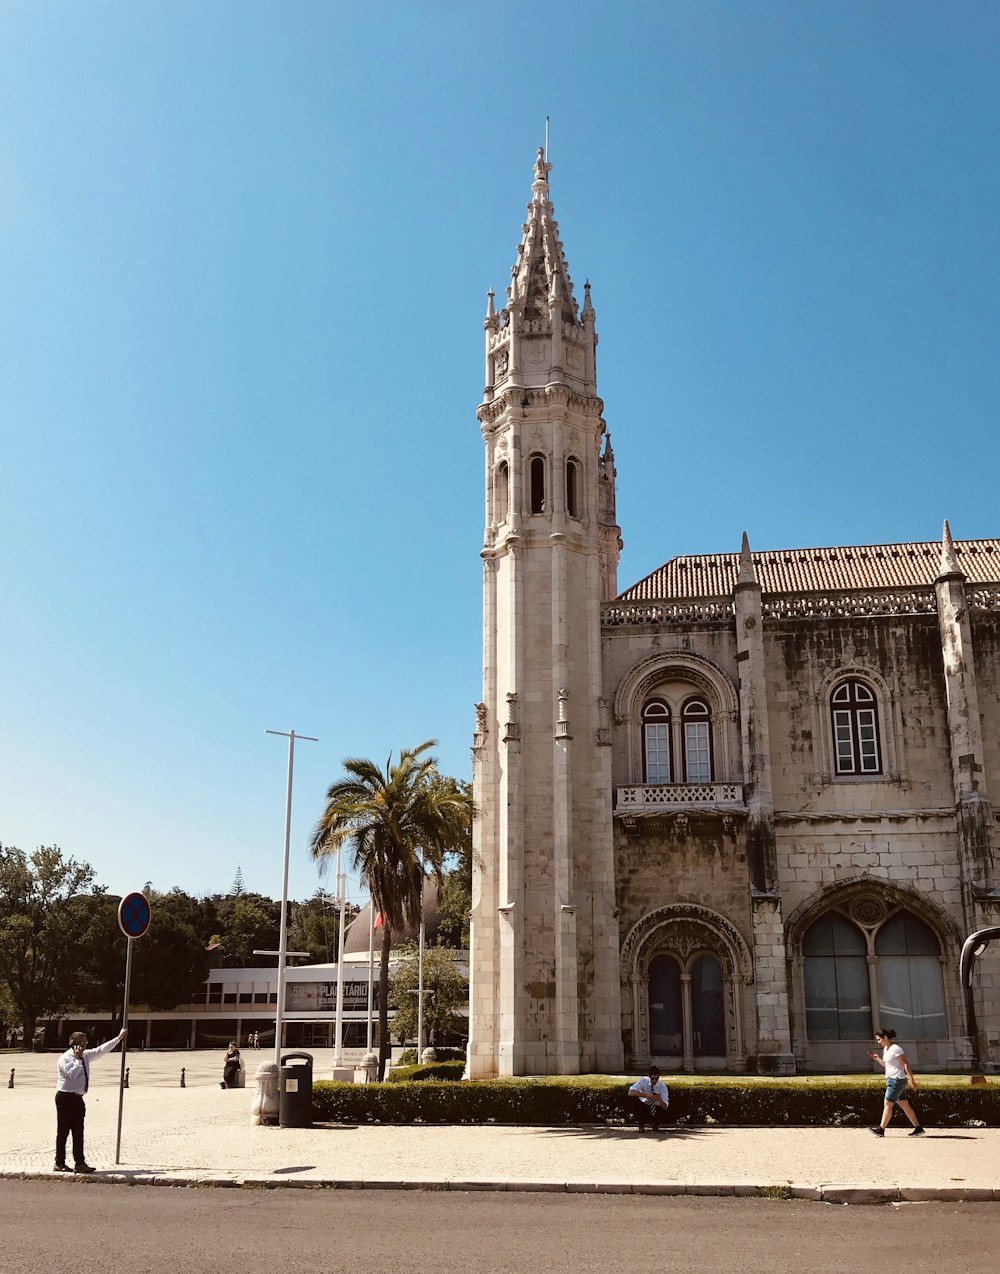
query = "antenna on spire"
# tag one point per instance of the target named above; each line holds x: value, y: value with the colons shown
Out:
x: 546, y: 139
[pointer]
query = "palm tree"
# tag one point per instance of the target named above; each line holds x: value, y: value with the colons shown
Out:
x: 399, y: 822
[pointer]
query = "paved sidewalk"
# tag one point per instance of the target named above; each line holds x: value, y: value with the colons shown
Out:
x: 202, y: 1135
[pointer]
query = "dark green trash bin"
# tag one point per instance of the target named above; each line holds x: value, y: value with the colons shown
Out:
x: 295, y: 1090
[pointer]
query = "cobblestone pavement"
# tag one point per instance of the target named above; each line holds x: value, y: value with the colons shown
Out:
x: 201, y: 1134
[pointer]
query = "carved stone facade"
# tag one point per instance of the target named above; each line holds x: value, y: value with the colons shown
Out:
x: 739, y: 814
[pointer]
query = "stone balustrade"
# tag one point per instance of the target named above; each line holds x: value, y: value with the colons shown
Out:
x: 643, y: 796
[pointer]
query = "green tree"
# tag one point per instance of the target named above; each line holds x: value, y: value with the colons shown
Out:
x: 455, y: 905
x: 399, y: 823
x: 314, y: 926
x: 248, y: 922
x: 38, y: 930
x: 169, y: 962
x: 445, y: 993
x: 8, y: 1015
x: 455, y: 888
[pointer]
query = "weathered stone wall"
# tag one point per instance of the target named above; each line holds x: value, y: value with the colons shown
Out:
x: 897, y: 830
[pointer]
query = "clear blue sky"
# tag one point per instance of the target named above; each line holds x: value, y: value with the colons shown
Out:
x: 245, y: 254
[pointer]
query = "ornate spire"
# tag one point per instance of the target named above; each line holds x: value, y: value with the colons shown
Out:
x: 539, y: 338
x: 747, y: 573
x: 949, y: 559
x: 541, y: 281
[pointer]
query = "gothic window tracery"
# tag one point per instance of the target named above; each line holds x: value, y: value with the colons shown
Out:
x: 894, y: 962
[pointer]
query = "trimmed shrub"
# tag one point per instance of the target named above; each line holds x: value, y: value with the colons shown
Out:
x: 408, y: 1057
x: 432, y: 1070
x: 596, y: 1101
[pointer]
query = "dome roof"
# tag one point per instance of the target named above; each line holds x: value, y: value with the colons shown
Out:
x: 356, y: 938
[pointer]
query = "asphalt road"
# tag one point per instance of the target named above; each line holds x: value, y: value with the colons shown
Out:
x: 133, y: 1230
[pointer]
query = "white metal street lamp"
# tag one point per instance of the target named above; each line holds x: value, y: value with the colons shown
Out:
x: 291, y: 736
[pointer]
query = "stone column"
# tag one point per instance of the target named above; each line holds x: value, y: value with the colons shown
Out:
x: 770, y: 981
x: 964, y: 731
x: 774, y: 1046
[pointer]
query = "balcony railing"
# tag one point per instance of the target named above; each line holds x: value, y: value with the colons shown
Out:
x: 645, y: 796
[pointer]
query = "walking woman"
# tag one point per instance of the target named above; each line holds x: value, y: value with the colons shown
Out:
x: 897, y: 1076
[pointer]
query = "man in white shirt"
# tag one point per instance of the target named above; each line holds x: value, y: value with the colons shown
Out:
x: 72, y: 1081
x: 649, y: 1100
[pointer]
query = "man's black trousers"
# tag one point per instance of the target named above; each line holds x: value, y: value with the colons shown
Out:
x: 646, y: 1114
x: 71, y: 1111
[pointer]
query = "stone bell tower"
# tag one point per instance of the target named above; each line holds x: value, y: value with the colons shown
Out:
x: 544, y: 995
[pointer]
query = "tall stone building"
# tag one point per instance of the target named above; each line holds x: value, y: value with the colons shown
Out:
x: 739, y: 814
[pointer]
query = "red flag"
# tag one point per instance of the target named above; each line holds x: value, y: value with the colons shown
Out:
x: 379, y: 920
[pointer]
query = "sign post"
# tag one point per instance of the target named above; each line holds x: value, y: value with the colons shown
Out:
x: 133, y: 920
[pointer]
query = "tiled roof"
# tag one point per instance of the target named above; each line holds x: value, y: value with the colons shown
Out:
x: 847, y: 569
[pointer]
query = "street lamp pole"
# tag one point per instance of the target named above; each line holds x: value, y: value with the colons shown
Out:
x: 371, y: 964
x: 291, y: 736
x: 338, y: 1059
x: 420, y: 969
x: 973, y: 947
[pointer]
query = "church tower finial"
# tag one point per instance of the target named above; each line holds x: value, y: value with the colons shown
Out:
x: 541, y: 338
x: 949, y: 559
x: 747, y: 573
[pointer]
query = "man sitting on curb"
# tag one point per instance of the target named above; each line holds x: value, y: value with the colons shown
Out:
x: 648, y: 1100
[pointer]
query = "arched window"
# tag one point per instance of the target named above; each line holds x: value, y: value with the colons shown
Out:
x: 696, y: 722
x: 854, y: 711
x: 910, y: 984
x: 838, y: 998
x: 571, y: 473
x: 905, y: 968
x: 501, y: 492
x: 536, y: 475
x: 656, y: 741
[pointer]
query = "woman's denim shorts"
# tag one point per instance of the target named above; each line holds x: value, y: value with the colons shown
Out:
x: 895, y: 1090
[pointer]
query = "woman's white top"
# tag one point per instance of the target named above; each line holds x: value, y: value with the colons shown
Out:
x: 894, y: 1069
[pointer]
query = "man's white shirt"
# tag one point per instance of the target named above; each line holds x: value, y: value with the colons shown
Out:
x: 73, y: 1073
x: 645, y: 1088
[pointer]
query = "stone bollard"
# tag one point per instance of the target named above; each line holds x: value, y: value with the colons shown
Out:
x: 183, y: 1085
x: 369, y: 1065
x: 428, y: 1056
x: 125, y: 1085
x: 264, y: 1107
x: 10, y: 1082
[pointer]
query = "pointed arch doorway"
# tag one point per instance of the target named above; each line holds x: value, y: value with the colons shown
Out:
x: 687, y: 1012
x: 685, y: 965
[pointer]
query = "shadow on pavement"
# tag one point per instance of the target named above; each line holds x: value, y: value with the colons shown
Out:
x: 597, y: 1132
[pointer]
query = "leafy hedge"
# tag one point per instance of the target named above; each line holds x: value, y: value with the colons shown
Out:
x: 430, y: 1070
x: 409, y: 1057
x: 729, y: 1101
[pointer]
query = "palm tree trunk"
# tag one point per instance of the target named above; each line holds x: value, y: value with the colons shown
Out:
x: 384, y: 1042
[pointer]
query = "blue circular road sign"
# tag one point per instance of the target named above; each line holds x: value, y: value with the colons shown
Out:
x: 133, y: 915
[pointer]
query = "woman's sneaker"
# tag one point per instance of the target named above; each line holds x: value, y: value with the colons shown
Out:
x: 879, y: 1132
x: 918, y: 1131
